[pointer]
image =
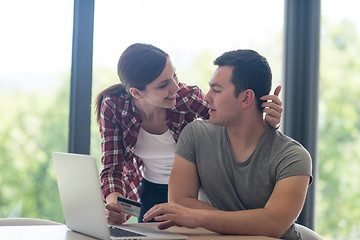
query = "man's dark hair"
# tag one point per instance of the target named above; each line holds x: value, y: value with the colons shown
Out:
x: 250, y: 71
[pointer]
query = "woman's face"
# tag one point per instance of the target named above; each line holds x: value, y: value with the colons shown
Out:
x: 162, y: 91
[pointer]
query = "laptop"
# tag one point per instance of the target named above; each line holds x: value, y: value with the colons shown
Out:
x: 83, y: 205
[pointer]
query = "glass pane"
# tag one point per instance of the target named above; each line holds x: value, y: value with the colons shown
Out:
x: 194, y: 33
x: 35, y: 60
x: 338, y: 199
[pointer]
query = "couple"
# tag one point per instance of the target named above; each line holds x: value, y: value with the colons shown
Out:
x: 254, y: 178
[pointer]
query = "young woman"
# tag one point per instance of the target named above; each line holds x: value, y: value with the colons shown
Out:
x: 140, y: 121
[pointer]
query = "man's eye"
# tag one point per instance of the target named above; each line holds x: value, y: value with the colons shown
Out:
x: 216, y: 91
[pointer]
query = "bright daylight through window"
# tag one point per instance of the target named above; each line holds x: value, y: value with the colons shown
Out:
x: 35, y: 65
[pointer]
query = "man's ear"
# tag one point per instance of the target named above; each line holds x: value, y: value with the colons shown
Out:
x: 136, y: 93
x: 248, y: 98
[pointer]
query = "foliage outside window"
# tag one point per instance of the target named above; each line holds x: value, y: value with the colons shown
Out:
x: 35, y: 124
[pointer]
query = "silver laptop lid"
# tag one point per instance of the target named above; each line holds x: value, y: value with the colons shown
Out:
x: 80, y: 194
x: 82, y: 202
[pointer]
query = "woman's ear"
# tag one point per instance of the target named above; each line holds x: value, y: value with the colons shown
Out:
x: 136, y: 93
x: 248, y: 98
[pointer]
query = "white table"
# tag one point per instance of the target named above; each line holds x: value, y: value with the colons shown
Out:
x: 61, y: 232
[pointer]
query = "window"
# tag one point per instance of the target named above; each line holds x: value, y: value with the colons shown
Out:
x: 35, y: 60
x: 338, y: 198
x: 193, y: 33
x: 35, y: 73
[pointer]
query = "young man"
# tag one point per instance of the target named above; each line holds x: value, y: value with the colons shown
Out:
x: 255, y: 178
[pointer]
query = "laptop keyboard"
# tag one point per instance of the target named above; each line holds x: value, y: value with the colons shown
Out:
x: 118, y: 232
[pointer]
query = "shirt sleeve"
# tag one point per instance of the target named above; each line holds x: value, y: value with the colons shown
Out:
x: 119, y: 173
x: 296, y: 160
x: 193, y: 98
x: 186, y: 144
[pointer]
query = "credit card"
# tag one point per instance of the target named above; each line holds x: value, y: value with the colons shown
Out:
x: 129, y: 206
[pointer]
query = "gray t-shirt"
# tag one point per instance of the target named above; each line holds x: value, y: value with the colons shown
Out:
x: 232, y: 186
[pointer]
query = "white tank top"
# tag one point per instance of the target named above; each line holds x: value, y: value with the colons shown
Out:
x: 157, y: 153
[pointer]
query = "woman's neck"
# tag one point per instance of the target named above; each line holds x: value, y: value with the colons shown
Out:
x: 153, y: 118
x: 149, y: 112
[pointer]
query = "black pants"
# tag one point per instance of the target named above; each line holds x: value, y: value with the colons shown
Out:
x: 151, y: 194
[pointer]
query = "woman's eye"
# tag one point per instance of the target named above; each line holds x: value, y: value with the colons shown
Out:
x: 163, y: 85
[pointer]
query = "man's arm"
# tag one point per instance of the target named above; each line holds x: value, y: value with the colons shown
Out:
x: 281, y: 210
x: 184, y: 184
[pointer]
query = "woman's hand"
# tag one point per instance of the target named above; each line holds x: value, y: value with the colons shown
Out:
x: 114, y: 213
x: 273, y: 108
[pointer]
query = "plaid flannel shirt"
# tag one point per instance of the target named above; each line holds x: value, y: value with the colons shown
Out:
x: 119, y: 129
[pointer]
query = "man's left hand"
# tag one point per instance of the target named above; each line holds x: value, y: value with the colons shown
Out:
x: 172, y: 214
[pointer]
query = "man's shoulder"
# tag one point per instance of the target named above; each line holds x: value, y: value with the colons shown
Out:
x: 281, y: 137
x: 202, y: 129
x: 290, y: 154
x: 203, y: 124
x: 286, y: 144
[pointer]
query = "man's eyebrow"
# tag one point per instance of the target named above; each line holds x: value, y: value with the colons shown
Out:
x: 215, y: 85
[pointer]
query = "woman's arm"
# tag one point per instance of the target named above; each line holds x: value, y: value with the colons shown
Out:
x: 115, y: 164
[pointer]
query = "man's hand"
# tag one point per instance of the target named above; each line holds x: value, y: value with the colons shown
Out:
x: 173, y: 214
x: 273, y: 108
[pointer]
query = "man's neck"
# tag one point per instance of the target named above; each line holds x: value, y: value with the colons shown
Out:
x: 245, y: 136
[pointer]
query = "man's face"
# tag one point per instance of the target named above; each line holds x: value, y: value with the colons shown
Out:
x: 224, y: 106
